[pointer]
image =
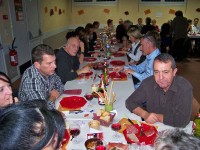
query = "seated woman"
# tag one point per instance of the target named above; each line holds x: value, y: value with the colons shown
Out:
x: 176, y: 139
x: 25, y: 126
x: 6, y: 91
x: 135, y: 53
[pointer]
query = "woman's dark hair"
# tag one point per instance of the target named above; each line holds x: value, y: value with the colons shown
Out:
x: 41, y: 50
x: 88, y: 27
x: 7, y: 80
x: 109, y: 21
x: 25, y: 126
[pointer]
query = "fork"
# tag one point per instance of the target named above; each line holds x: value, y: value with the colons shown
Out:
x: 141, y: 129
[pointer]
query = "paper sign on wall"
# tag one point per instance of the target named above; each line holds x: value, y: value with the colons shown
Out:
x: 18, y: 10
x: 172, y: 11
x: 81, y: 12
x: 148, y: 11
x: 107, y: 11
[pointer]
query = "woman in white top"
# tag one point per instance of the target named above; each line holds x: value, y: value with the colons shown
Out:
x: 134, y: 52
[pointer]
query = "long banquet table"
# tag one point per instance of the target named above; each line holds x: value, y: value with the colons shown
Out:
x: 123, y: 90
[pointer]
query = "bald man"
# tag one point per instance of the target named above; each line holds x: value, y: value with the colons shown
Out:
x: 67, y: 61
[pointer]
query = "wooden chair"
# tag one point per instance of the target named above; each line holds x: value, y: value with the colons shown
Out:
x: 195, y: 108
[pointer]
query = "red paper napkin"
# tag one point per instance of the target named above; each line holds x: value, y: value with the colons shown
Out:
x: 73, y: 92
x: 118, y: 54
x: 117, y: 63
x: 89, y: 59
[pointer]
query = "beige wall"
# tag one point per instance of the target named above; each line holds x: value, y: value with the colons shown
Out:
x: 5, y: 25
x: 135, y: 10
x: 56, y: 21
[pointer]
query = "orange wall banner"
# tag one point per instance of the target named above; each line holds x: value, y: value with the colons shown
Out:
x: 172, y: 11
x: 148, y: 11
x: 107, y: 11
x: 81, y: 12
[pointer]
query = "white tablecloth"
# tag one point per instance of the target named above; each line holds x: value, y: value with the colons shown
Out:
x: 123, y: 90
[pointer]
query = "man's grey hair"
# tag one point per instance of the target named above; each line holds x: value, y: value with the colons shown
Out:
x: 176, y: 139
x: 165, y: 58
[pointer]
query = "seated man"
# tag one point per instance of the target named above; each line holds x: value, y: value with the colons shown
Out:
x: 168, y: 96
x: 145, y: 69
x: 40, y: 81
x: 68, y: 62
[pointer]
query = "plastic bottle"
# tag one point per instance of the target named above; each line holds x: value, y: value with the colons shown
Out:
x: 196, y: 125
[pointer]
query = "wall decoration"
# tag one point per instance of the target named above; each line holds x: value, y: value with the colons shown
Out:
x: 51, y: 12
x: 147, y: 11
x: 60, y: 12
x: 126, y: 13
x: 198, y: 9
x: 107, y: 11
x: 172, y: 11
x: 18, y: 10
x: 81, y: 12
x: 45, y: 10
x: 55, y: 8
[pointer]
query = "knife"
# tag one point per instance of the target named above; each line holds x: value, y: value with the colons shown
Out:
x: 129, y: 120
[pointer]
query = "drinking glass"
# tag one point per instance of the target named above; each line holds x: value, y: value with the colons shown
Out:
x: 116, y: 127
x: 89, y: 97
x: 74, y: 130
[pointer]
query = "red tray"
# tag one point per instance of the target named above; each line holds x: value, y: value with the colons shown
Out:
x: 143, y: 138
x: 73, y: 102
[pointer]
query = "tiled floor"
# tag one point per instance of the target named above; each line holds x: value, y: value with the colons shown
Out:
x: 189, y: 69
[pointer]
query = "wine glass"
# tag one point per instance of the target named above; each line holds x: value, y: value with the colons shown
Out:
x: 89, y: 96
x: 74, y: 130
x: 116, y: 127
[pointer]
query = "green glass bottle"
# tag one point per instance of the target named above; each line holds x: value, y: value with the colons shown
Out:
x: 196, y: 125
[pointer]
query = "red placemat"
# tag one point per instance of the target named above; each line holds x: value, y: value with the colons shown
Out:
x: 120, y: 49
x: 118, y: 54
x: 86, y: 75
x: 73, y: 102
x: 143, y: 138
x: 65, y: 139
x: 73, y: 92
x: 117, y: 63
x: 89, y: 59
x: 118, y: 76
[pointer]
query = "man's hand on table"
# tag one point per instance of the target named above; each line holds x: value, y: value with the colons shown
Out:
x: 148, y: 117
x: 128, y: 71
x: 118, y: 68
x: 53, y: 95
x: 153, y: 118
x: 85, y: 69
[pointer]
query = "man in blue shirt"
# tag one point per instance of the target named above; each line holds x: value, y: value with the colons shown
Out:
x: 145, y: 69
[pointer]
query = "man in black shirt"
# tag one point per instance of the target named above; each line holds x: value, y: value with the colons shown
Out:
x: 68, y: 62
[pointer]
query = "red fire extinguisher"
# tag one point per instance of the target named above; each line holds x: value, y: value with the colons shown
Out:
x: 13, y: 55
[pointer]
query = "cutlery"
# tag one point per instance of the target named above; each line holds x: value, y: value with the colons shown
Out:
x: 95, y: 76
x: 141, y: 129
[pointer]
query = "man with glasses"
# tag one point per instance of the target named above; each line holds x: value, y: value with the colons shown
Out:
x: 145, y: 69
x: 68, y: 62
x: 168, y: 96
